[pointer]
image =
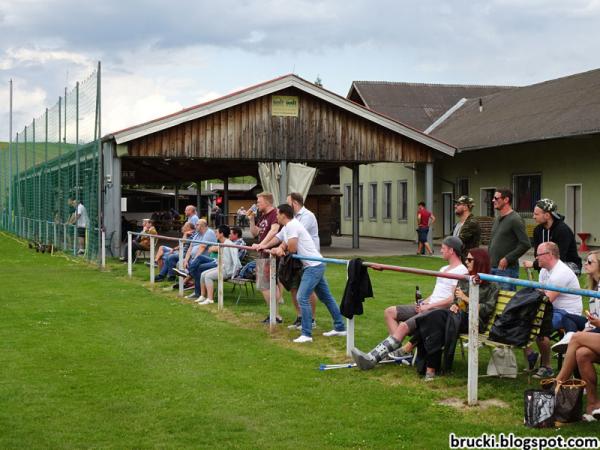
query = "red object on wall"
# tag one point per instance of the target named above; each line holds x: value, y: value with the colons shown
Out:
x: 584, y: 237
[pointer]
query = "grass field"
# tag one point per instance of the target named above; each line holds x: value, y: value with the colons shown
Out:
x: 93, y: 359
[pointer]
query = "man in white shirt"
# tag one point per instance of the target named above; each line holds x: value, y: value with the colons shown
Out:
x: 81, y: 221
x: 295, y: 239
x: 565, y: 307
x: 309, y: 222
x: 401, y: 319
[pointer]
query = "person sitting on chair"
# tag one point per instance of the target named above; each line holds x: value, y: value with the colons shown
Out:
x: 141, y: 242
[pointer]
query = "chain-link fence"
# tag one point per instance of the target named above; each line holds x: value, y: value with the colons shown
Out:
x: 50, y: 174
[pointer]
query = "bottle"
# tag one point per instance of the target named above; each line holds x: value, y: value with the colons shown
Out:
x: 418, y: 296
x: 593, y: 307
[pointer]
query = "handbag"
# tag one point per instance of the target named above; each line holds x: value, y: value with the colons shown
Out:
x: 539, y: 408
x: 503, y: 363
x: 568, y: 405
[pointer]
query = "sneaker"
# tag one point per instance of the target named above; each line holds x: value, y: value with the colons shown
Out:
x: 268, y: 320
x: 561, y: 346
x: 159, y: 278
x: 363, y: 360
x: 544, y: 372
x: 297, y: 323
x: 206, y: 301
x: 429, y: 377
x: 532, y: 360
x: 334, y: 333
x: 399, y: 353
x: 188, y: 287
x: 314, y: 324
x: 192, y: 295
x: 181, y: 273
x: 200, y: 299
x: 80, y: 252
x: 303, y: 339
x: 148, y: 264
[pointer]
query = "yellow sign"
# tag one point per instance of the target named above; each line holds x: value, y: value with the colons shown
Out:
x: 284, y: 105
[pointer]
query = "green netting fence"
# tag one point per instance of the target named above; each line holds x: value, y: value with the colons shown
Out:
x: 52, y: 166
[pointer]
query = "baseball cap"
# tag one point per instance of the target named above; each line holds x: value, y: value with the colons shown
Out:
x: 454, y: 243
x: 549, y: 206
x: 465, y: 200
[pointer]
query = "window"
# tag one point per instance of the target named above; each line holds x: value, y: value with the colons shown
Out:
x: 527, y: 190
x: 373, y: 201
x: 387, y: 200
x: 360, y: 201
x: 402, y: 200
x: 347, y: 201
x: 462, y: 186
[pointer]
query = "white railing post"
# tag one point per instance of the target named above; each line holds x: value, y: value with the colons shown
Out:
x: 103, y: 248
x: 349, y: 326
x: 220, y: 278
x: 272, y: 292
x: 473, y: 370
x: 180, y: 265
x: 75, y: 239
x: 151, y: 259
x: 129, y: 265
x: 54, y: 235
x: 64, y: 237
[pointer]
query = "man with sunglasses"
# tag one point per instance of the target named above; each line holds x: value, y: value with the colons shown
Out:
x: 509, y: 239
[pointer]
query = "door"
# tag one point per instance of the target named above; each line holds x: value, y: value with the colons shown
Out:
x: 448, y: 212
x: 487, y: 206
x: 573, y: 207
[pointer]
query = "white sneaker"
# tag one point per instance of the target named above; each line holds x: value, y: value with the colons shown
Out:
x: 302, y: 339
x: 200, y: 299
x: 334, y: 333
x: 190, y: 296
x: 561, y: 346
x: 206, y: 301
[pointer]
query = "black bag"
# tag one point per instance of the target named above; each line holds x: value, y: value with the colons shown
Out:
x: 568, y: 404
x: 514, y: 325
x: 539, y: 408
x: 288, y: 270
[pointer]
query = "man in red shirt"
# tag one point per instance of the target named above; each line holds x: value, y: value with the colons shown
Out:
x: 424, y: 220
x: 264, y: 227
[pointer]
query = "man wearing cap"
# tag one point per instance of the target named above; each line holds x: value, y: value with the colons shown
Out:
x: 401, y: 320
x: 467, y: 228
x: 552, y: 228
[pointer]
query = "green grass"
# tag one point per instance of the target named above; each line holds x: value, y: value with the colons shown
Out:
x: 93, y: 359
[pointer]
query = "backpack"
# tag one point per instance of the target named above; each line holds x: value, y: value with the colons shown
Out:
x: 514, y: 325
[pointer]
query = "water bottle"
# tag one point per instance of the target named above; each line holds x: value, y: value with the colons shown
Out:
x: 594, y: 307
x: 418, y: 296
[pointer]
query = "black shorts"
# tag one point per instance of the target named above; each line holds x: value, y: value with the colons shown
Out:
x: 80, y: 232
x: 546, y: 328
x: 423, y: 234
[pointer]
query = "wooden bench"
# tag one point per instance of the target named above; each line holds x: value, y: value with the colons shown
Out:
x: 484, y: 338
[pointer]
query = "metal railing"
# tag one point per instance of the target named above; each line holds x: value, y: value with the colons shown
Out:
x: 474, y: 281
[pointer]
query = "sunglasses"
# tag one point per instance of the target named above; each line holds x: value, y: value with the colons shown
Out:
x: 495, y: 199
x: 469, y: 259
x: 589, y: 261
x: 542, y: 254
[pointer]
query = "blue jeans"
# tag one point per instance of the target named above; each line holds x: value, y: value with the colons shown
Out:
x: 512, y: 272
x: 567, y: 321
x: 170, y: 262
x: 313, y: 279
x: 198, y: 265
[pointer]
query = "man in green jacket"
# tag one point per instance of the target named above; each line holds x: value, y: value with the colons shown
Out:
x: 467, y: 229
x: 509, y: 239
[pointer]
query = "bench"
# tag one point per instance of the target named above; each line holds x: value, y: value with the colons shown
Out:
x: 484, y: 338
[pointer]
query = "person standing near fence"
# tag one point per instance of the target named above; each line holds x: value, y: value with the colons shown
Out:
x: 509, y: 239
x: 552, y: 228
x: 425, y: 219
x: 266, y: 228
x: 467, y: 228
x: 191, y: 214
x: 295, y: 239
x: 82, y: 221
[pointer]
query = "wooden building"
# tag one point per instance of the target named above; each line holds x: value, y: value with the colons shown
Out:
x: 287, y: 119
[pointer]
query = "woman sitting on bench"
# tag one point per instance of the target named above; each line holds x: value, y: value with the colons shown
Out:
x: 584, y: 347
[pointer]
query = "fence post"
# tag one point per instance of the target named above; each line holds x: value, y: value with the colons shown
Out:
x: 473, y: 370
x: 349, y: 327
x: 129, y: 268
x: 180, y: 264
x: 103, y: 249
x: 151, y: 259
x: 75, y: 239
x: 220, y: 278
x: 54, y: 238
x: 64, y: 237
x: 272, y: 293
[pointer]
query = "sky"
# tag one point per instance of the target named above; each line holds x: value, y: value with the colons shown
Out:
x: 159, y: 57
